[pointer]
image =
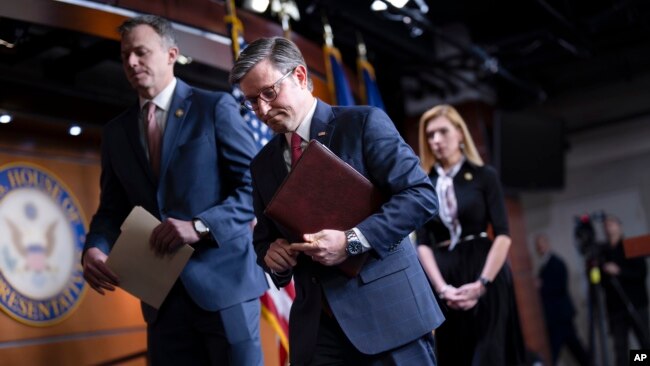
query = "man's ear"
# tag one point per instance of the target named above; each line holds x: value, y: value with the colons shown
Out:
x: 172, y: 53
x: 301, y: 74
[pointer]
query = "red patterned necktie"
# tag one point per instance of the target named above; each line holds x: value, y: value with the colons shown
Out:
x: 296, y: 148
x: 154, y: 137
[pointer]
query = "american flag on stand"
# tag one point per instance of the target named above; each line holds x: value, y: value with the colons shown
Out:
x: 276, y: 303
x: 261, y: 132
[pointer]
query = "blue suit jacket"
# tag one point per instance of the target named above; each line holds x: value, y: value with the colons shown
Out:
x: 204, y: 173
x: 390, y: 303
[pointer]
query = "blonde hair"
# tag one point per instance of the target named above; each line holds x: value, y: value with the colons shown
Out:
x: 427, y: 159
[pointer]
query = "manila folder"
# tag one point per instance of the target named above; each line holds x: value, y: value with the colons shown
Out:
x: 142, y: 273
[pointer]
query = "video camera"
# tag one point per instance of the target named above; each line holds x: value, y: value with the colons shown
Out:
x: 585, y: 234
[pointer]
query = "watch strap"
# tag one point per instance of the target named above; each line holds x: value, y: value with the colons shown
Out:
x: 354, y: 245
x: 484, y: 281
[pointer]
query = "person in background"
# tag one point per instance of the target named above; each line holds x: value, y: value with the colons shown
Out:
x: 183, y: 154
x: 624, y: 282
x: 466, y: 269
x: 556, y: 301
x: 385, y: 315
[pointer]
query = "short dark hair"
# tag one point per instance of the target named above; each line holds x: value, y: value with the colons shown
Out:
x: 160, y: 25
x: 283, y: 54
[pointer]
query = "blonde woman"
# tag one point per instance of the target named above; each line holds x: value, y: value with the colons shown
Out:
x: 466, y: 268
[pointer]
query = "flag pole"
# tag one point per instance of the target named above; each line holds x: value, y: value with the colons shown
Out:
x: 236, y: 28
x: 368, y: 90
x: 337, y: 82
x: 362, y: 64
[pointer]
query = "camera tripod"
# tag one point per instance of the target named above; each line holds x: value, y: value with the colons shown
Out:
x: 597, y: 328
x: 598, y: 350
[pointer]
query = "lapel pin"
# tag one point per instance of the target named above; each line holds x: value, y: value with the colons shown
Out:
x: 179, y: 113
x: 322, y: 133
x: 468, y: 176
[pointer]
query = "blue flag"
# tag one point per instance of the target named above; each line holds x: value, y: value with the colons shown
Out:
x: 337, y: 82
x: 367, y: 85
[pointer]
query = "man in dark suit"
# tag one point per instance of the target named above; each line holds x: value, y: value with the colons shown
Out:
x: 626, y: 296
x: 386, y: 314
x: 556, y: 301
x: 199, y: 186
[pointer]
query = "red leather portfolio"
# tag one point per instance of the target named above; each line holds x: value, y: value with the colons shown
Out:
x: 324, y: 192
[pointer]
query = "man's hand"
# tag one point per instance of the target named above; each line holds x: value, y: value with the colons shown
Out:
x: 97, y: 273
x: 326, y: 247
x: 171, y: 234
x: 280, y: 257
x: 611, y: 268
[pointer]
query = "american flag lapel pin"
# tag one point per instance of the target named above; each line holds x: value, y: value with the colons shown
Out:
x: 322, y: 133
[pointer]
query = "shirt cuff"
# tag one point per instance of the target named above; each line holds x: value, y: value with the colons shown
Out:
x: 365, y: 245
x: 283, y: 274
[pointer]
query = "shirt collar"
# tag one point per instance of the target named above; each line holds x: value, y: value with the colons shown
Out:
x: 453, y: 171
x: 305, y: 125
x: 164, y: 99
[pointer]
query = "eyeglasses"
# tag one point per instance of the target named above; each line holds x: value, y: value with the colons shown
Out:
x: 267, y: 94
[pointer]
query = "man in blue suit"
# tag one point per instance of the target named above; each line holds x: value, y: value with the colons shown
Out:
x: 200, y: 188
x: 387, y: 313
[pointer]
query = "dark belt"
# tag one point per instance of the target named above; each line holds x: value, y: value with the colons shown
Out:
x: 463, y: 239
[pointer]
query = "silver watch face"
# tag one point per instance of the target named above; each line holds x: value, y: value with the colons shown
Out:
x: 354, y: 247
x: 199, y: 226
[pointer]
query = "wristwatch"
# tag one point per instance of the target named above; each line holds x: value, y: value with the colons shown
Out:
x: 354, y: 246
x: 201, y: 228
x: 485, y: 282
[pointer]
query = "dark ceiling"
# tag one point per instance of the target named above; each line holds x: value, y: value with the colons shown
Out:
x: 64, y: 76
x: 515, y: 54
x: 584, y: 61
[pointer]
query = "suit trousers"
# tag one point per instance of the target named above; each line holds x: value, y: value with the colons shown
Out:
x: 334, y: 349
x: 185, y: 334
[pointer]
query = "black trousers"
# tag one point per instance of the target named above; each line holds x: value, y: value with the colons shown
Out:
x: 565, y: 334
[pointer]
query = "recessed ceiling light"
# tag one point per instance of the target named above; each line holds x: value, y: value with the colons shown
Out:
x: 5, y: 118
x: 258, y: 6
x: 75, y: 130
x: 378, y: 5
x: 184, y: 60
x: 398, y: 3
